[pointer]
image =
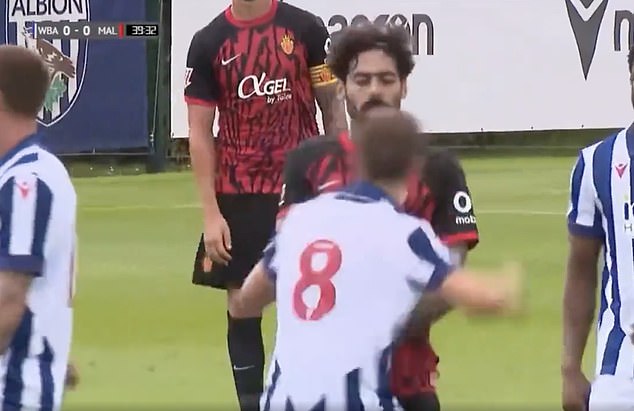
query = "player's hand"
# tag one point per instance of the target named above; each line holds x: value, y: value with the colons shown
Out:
x: 510, y: 290
x: 576, y: 389
x: 72, y: 377
x: 218, y: 239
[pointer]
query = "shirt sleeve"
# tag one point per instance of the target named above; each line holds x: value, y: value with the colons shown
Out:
x: 295, y: 187
x: 317, y: 42
x: 584, y: 217
x: 268, y: 256
x: 453, y: 217
x: 432, y: 259
x: 25, y: 213
x: 201, y: 84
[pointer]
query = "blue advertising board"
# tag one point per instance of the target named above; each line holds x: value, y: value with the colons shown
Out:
x: 97, y: 100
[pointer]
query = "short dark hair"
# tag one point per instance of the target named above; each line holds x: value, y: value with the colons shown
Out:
x: 630, y: 58
x: 394, y: 40
x: 388, y: 143
x: 24, y: 80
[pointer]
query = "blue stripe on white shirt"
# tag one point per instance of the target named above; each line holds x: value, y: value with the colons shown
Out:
x: 25, y: 210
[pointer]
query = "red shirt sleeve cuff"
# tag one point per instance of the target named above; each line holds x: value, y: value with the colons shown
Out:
x: 471, y: 238
x: 199, y: 102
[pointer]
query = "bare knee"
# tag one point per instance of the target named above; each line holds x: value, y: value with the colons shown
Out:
x: 236, y: 309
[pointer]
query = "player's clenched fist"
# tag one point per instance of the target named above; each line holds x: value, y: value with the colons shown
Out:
x: 575, y: 392
x: 218, y: 239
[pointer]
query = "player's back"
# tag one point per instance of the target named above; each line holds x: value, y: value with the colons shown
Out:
x: 344, y: 285
x: 37, y: 212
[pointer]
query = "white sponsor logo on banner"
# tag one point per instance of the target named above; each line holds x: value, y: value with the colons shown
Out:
x: 494, y: 65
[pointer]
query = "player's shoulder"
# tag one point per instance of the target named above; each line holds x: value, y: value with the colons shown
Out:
x: 608, y: 141
x: 441, y: 161
x: 442, y: 171
x: 34, y: 163
x: 215, y: 32
x: 298, y: 15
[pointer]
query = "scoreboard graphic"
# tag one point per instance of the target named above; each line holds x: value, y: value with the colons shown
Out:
x: 92, y: 30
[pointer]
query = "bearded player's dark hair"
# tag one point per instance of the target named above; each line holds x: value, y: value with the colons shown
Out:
x: 630, y: 58
x: 24, y: 80
x: 393, y: 40
x: 387, y: 143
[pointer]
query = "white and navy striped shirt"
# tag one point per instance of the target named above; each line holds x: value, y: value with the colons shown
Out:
x: 601, y: 206
x: 348, y: 269
x: 37, y: 238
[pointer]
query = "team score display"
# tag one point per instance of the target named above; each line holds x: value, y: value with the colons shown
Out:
x: 328, y: 255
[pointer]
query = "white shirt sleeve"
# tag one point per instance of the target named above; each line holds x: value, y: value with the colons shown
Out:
x: 25, y: 213
x: 432, y: 259
x: 584, y: 218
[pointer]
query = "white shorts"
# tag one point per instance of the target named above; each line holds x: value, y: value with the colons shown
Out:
x: 610, y: 393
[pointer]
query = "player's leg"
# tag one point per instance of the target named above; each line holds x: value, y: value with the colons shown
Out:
x: 251, y: 219
x: 610, y: 393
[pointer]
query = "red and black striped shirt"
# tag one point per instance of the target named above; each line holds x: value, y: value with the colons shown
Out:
x: 260, y: 75
x: 439, y: 193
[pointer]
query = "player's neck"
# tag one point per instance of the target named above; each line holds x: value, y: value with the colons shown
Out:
x: 249, y: 10
x: 12, y: 132
x: 395, y: 189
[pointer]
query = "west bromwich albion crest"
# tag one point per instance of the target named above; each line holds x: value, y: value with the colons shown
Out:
x: 66, y: 59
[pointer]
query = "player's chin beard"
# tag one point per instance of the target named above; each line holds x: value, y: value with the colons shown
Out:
x: 353, y: 111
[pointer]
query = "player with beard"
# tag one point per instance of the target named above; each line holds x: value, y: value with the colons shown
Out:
x: 373, y: 64
x: 260, y: 64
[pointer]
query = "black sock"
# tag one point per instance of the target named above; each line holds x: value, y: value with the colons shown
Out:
x: 246, y: 352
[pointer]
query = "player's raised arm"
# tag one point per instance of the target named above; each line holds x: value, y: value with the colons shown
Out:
x: 452, y: 219
x: 585, y: 240
x: 325, y: 85
x: 476, y: 293
x: 201, y: 94
x: 25, y: 209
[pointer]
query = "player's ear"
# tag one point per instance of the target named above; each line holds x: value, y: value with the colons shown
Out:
x: 403, y: 89
x: 341, y: 90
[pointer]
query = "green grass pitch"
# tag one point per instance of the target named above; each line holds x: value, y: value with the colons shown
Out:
x: 145, y: 336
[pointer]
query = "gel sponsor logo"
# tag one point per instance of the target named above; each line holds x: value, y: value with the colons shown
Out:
x: 463, y: 206
x: 274, y: 90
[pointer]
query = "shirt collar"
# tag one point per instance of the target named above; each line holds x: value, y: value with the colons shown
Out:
x: 369, y: 191
x: 26, y: 142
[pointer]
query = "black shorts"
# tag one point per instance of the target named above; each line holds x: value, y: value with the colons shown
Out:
x: 251, y: 220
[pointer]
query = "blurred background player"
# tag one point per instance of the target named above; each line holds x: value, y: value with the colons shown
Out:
x: 373, y: 63
x: 37, y: 244
x: 371, y: 263
x: 601, y: 214
x: 261, y: 64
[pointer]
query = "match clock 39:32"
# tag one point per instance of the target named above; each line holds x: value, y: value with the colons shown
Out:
x: 142, y: 30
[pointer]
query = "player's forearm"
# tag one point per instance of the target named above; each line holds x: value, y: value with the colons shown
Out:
x: 203, y: 161
x: 578, y: 313
x: 480, y: 293
x: 333, y: 109
x: 429, y: 309
x: 12, y: 309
